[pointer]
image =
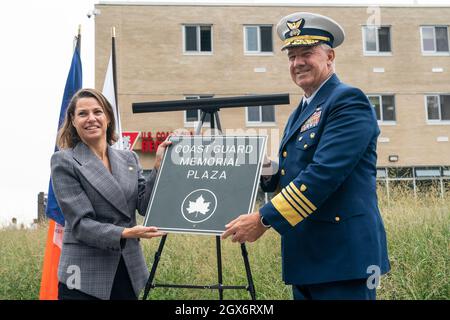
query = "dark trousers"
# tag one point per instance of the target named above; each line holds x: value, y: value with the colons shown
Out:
x: 122, y: 288
x: 340, y: 290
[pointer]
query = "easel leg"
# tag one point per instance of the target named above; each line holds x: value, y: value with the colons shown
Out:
x: 219, y: 267
x: 148, y: 286
x: 251, y: 286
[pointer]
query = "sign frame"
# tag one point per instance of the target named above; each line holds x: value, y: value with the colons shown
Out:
x: 208, y: 231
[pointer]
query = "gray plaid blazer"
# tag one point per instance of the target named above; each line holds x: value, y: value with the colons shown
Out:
x: 97, y: 206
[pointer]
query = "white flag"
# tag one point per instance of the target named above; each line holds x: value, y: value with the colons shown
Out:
x: 109, y: 92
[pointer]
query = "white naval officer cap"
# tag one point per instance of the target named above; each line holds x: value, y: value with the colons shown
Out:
x: 309, y: 29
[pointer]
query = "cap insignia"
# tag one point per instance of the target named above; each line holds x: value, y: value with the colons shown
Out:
x: 295, y: 26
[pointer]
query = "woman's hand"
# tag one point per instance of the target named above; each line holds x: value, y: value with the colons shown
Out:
x: 162, y: 147
x: 142, y: 232
x: 160, y: 152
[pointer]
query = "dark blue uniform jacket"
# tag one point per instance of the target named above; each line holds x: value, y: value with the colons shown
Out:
x: 326, y: 204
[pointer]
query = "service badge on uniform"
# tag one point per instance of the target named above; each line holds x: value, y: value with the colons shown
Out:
x: 312, y: 121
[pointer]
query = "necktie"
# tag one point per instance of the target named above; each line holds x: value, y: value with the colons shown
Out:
x: 304, y: 106
x: 299, y: 110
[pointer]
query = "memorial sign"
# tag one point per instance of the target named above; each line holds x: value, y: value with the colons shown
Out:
x: 205, y: 182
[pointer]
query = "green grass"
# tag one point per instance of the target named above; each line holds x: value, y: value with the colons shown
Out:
x: 21, y: 257
x: 418, y: 232
x: 192, y: 259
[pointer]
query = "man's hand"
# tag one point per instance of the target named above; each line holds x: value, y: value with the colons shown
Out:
x: 141, y: 232
x: 269, y: 167
x: 246, y: 227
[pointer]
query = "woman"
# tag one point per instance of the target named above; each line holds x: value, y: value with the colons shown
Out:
x: 98, y: 189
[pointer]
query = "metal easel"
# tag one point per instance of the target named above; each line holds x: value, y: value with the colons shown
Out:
x: 215, y: 123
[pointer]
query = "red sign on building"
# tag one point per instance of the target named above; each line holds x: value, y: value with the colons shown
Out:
x: 150, y: 142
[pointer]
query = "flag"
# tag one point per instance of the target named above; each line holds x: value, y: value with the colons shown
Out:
x: 110, y: 91
x: 49, y: 280
x: 73, y: 84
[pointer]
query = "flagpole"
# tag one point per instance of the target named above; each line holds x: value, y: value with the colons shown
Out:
x: 114, y: 75
x: 78, y: 39
x: 114, y: 67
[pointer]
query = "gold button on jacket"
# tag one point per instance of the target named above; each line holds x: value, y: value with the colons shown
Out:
x: 337, y: 219
x: 284, y: 154
x: 283, y: 172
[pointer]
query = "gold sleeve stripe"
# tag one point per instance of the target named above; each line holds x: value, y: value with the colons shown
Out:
x: 293, y: 203
x: 298, y: 200
x: 292, y: 185
x: 286, y: 210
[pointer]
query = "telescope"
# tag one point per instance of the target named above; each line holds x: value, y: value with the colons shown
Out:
x: 210, y: 105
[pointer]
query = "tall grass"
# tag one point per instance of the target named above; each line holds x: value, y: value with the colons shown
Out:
x: 418, y: 244
x: 192, y: 259
x: 21, y: 257
x: 418, y: 230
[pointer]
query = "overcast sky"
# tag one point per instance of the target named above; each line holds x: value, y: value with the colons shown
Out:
x: 36, y: 48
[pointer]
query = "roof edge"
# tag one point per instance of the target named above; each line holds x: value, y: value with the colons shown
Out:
x: 263, y: 4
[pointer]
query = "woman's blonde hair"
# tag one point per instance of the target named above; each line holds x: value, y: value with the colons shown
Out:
x: 67, y: 134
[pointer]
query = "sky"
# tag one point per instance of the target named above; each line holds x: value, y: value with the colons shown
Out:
x: 36, y: 39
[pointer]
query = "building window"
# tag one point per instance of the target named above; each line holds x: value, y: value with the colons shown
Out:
x: 428, y: 172
x: 400, y: 172
x: 438, y: 108
x: 377, y: 40
x: 260, y: 115
x: 197, y: 39
x: 384, y: 107
x: 434, y: 39
x: 446, y: 172
x: 419, y: 180
x: 258, y: 39
x: 381, y: 173
x: 191, y: 117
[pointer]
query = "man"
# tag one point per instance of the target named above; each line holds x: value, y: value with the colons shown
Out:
x: 332, y: 235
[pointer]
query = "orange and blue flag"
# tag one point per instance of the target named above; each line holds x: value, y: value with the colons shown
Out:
x: 49, y: 280
x: 73, y: 84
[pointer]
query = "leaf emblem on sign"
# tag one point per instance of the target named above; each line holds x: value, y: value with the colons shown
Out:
x: 199, y: 206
